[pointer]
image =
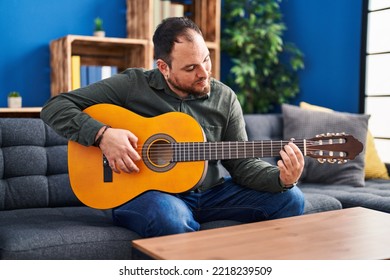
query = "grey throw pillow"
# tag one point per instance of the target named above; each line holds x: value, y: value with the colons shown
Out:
x: 302, y: 124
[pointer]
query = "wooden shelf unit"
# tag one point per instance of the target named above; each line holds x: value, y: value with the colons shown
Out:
x: 120, y: 52
x: 134, y: 51
x: 24, y: 112
x: 205, y: 13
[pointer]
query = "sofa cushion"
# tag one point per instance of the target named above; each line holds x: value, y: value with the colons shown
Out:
x: 62, y: 233
x: 375, y: 195
x: 302, y: 124
x: 315, y: 203
x: 33, y: 166
x: 374, y: 167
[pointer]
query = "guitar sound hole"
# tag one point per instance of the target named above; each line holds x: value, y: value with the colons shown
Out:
x: 157, y: 153
x: 160, y: 153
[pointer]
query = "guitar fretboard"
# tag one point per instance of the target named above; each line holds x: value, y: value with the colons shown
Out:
x: 198, y: 151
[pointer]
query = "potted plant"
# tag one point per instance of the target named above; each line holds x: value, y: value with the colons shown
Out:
x: 14, y: 100
x: 98, y: 30
x: 264, y: 68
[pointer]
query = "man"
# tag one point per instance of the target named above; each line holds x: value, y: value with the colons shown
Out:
x: 182, y: 82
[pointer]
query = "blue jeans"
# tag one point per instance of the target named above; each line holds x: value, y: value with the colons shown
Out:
x: 156, y: 213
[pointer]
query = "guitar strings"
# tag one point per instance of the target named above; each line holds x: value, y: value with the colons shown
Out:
x: 239, y: 145
x: 190, y: 151
x: 225, y: 145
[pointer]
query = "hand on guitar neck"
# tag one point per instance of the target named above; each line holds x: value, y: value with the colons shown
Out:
x: 291, y: 164
x: 119, y: 146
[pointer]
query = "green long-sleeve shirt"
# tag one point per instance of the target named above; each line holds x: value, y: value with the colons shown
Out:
x: 147, y: 94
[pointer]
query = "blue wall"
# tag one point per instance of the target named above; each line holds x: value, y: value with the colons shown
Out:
x: 28, y: 26
x: 328, y: 33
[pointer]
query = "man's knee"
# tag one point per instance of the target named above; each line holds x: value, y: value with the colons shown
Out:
x: 172, y: 223
x: 156, y: 214
x: 291, y: 203
x: 297, y: 201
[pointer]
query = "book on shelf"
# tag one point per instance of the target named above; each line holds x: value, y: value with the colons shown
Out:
x: 95, y: 73
x: 90, y: 74
x: 75, y: 68
x: 83, y: 75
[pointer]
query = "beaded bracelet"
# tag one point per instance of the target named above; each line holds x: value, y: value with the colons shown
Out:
x: 97, y: 142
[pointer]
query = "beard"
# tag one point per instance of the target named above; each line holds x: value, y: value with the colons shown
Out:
x: 194, y: 89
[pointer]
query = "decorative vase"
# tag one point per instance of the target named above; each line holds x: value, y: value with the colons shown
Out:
x: 15, y: 102
x: 100, y: 33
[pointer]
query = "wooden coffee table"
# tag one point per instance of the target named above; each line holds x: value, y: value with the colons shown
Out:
x: 353, y: 233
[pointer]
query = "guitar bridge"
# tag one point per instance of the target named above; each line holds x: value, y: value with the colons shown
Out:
x: 107, y: 171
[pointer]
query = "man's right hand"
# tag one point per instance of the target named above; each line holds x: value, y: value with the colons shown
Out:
x: 120, y: 148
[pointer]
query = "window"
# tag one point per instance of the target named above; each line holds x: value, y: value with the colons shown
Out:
x: 375, y: 87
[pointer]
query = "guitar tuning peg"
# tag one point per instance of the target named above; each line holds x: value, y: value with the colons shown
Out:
x: 342, y: 161
x: 321, y: 160
x: 332, y: 160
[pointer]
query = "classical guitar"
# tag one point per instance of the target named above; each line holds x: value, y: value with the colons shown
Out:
x: 174, y: 155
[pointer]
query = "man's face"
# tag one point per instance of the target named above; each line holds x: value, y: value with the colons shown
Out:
x: 190, y: 70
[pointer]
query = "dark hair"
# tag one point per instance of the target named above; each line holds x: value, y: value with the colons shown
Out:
x: 167, y: 34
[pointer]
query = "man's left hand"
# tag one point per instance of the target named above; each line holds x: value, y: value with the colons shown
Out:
x: 291, y: 164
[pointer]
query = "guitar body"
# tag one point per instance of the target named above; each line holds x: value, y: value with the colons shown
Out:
x: 86, y: 164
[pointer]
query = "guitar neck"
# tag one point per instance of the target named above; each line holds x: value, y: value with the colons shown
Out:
x: 199, y: 151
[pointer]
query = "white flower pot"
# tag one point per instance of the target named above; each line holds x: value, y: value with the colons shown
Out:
x: 99, y: 33
x: 15, y: 102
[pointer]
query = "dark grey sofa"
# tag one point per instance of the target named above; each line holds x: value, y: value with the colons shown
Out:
x: 40, y: 217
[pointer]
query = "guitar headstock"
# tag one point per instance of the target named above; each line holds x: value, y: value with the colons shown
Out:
x: 333, y: 147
